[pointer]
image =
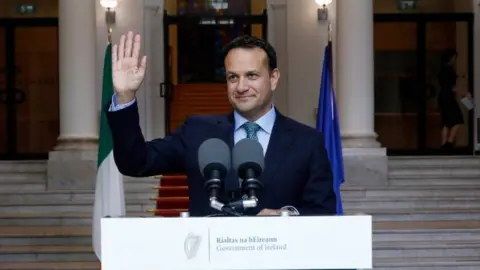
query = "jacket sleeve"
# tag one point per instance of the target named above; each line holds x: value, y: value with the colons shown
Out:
x: 137, y: 158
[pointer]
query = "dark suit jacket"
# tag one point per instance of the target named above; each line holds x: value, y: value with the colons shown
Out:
x: 297, y: 171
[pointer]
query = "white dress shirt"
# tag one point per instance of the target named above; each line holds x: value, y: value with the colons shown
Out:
x: 265, y: 122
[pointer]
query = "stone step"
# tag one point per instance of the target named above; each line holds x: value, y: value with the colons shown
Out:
x: 78, y: 206
x: 427, y: 235
x: 47, y: 231
x: 447, y: 191
x: 435, y: 172
x: 429, y: 231
x: 435, y: 182
x: 394, y: 203
x: 45, y: 235
x: 22, y: 178
x: 53, y: 240
x: 50, y: 266
x: 26, y: 187
x: 426, y: 225
x: 23, y: 166
x: 20, y: 183
x: 140, y: 183
x: 46, y: 253
x: 425, y: 263
x: 46, y: 219
x: 433, y: 161
x: 428, y: 249
x: 419, y: 214
x: 27, y: 197
x: 54, y: 219
x: 380, y: 245
x: 130, y: 199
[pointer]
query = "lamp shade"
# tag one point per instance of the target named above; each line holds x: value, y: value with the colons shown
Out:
x: 323, y: 2
x: 108, y: 3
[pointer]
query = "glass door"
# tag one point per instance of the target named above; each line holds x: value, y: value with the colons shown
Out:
x: 410, y: 109
x: 396, y: 84
x: 447, y: 54
x: 36, y: 88
x: 29, y: 95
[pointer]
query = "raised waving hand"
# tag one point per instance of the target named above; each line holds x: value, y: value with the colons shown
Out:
x: 128, y: 71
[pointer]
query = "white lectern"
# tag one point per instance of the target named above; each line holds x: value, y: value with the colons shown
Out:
x: 230, y: 243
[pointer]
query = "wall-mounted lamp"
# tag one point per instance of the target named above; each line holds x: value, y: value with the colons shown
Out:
x: 109, y: 6
x: 323, y: 9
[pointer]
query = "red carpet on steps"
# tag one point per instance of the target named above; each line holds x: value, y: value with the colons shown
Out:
x: 172, y: 195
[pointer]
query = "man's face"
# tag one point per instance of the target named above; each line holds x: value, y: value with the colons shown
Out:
x: 250, y: 82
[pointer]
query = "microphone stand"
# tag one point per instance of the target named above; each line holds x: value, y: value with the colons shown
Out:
x: 243, y: 205
x: 224, y: 208
x: 230, y: 211
x: 213, y: 185
x: 250, y: 185
x: 235, y: 208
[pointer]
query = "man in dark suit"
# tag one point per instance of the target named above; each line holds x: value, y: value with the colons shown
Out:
x: 297, y: 173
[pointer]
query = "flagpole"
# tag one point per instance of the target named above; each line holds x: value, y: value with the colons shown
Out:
x: 329, y: 32
x: 109, y: 37
x: 110, y: 16
x: 330, y: 49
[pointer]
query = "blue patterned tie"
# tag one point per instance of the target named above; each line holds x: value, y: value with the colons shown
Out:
x: 251, y: 128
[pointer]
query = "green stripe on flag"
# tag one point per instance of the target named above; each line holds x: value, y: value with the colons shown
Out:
x: 109, y: 191
x: 105, y: 142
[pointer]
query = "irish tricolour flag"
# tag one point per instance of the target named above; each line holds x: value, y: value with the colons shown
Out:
x: 109, y: 194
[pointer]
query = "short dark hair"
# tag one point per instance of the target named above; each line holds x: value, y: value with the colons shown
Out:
x: 251, y: 42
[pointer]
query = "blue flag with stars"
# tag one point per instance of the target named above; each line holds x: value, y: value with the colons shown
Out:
x: 327, y: 123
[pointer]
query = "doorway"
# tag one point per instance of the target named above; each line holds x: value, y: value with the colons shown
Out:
x: 408, y: 52
x: 194, y: 35
x: 29, y: 101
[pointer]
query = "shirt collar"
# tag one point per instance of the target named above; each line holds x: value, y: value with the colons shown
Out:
x: 265, y: 122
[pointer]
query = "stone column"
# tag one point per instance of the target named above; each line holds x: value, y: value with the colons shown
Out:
x: 72, y: 163
x: 365, y: 160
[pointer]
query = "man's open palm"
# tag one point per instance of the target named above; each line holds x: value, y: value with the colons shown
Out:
x: 128, y: 73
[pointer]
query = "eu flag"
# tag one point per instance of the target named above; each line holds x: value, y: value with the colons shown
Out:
x: 327, y: 123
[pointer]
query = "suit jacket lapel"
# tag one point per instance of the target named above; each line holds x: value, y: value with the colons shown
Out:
x: 279, y: 144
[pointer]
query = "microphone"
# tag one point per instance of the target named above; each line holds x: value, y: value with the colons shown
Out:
x: 214, y: 161
x: 248, y: 160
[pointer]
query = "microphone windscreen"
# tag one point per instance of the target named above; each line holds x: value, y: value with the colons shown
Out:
x: 214, y: 154
x: 248, y: 154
